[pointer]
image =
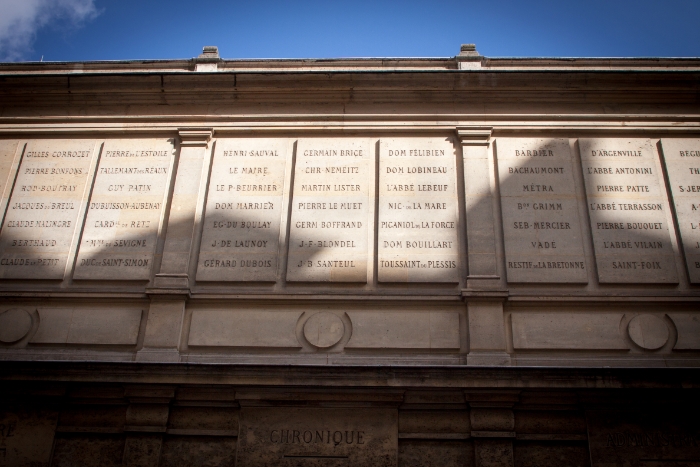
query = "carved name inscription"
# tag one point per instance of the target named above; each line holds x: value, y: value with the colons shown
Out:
x: 311, y: 436
x: 330, y: 211
x: 240, y: 241
x: 124, y: 213
x: 540, y: 211
x: 42, y: 214
x: 643, y: 438
x: 626, y: 207
x: 418, y: 239
x: 682, y: 157
x: 8, y: 149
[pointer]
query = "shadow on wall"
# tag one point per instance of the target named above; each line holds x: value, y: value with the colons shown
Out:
x: 541, y: 209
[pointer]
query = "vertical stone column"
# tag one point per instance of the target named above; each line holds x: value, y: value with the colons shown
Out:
x: 184, y: 219
x: 171, y: 285
x: 485, y: 290
x: 493, y: 426
x: 479, y: 187
x: 146, y: 423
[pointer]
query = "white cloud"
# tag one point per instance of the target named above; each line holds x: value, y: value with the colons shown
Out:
x: 21, y: 19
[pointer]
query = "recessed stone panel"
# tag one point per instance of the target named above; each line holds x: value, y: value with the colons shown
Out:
x: 627, y: 210
x: 540, y: 211
x: 125, y: 210
x: 688, y: 327
x: 418, y: 211
x: 241, y: 234
x: 404, y: 330
x: 330, y: 223
x: 682, y: 158
x: 561, y: 330
x: 289, y: 436
x: 42, y: 214
x: 244, y: 328
x: 99, y: 326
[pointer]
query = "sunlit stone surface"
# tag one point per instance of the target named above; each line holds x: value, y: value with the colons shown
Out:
x: 42, y: 215
x: 330, y: 222
x: 125, y: 210
x: 240, y: 240
x: 418, y: 219
x: 462, y: 261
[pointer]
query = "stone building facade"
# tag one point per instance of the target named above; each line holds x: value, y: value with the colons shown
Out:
x: 466, y: 261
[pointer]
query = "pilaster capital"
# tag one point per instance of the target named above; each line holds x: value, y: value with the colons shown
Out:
x: 474, y: 135
x: 195, y: 137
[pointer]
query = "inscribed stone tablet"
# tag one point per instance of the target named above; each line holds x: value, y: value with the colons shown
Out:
x: 418, y: 211
x: 240, y: 241
x: 540, y: 211
x: 290, y: 436
x: 330, y: 211
x: 626, y: 207
x: 7, y: 156
x: 121, y: 230
x: 43, y: 211
x: 643, y: 438
x: 682, y: 157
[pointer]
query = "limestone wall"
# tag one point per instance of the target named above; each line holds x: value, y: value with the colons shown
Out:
x: 449, y: 246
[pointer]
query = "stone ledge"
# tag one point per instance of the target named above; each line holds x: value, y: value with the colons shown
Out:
x: 305, y: 376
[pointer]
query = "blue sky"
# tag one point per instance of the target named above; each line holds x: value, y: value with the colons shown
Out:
x: 77, y: 30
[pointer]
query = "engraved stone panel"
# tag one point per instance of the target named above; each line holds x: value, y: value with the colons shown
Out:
x: 682, y: 157
x: 330, y: 211
x: 626, y: 207
x: 240, y: 241
x: 8, y: 149
x: 26, y: 434
x: 540, y: 211
x: 125, y: 210
x: 43, y: 211
x: 418, y: 211
x: 643, y: 438
x: 321, y: 437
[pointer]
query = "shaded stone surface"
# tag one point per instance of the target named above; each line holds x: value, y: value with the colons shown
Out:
x: 328, y: 437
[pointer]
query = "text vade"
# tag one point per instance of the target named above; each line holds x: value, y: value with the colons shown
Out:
x: 418, y: 211
x: 332, y: 186
x: 125, y: 210
x: 682, y: 157
x: 627, y: 210
x: 543, y: 237
x: 240, y: 240
x: 44, y: 208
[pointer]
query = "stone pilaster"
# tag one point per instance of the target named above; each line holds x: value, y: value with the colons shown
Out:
x: 185, y: 210
x: 146, y: 423
x: 479, y: 188
x: 493, y: 427
x: 171, y: 285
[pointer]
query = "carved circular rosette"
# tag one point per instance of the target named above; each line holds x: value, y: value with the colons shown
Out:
x: 324, y: 330
x: 15, y: 324
x: 648, y: 331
